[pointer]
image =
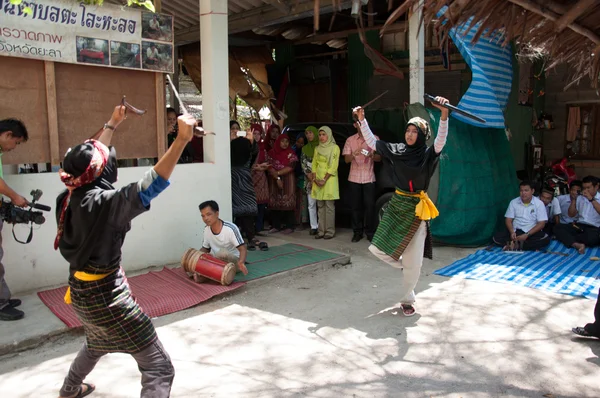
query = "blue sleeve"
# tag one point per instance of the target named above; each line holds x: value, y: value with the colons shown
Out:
x: 150, y: 186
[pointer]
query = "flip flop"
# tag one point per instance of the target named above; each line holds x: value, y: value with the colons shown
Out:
x: 90, y: 389
x: 251, y: 246
x: 582, y: 332
x: 263, y: 246
x: 408, y: 309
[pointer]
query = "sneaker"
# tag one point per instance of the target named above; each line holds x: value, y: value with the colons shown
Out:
x: 14, y: 302
x: 9, y: 313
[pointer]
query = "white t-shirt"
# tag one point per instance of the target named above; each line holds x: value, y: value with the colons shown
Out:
x: 565, y: 202
x: 152, y: 54
x: 229, y: 239
x: 525, y: 217
x: 586, y: 212
x: 153, y: 24
x: 553, y: 209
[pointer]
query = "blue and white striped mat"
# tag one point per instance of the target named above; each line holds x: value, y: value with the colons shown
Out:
x: 491, y: 67
x: 574, y: 274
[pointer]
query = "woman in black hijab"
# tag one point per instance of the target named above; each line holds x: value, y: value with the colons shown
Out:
x: 403, y: 237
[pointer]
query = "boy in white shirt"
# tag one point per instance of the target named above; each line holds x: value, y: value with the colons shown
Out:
x: 586, y: 231
x: 565, y: 201
x: 525, y: 219
x: 553, y: 210
x: 222, y: 239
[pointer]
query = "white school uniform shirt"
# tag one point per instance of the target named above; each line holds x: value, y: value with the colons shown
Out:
x: 565, y: 202
x: 525, y: 217
x: 229, y: 239
x: 586, y: 212
x: 553, y: 209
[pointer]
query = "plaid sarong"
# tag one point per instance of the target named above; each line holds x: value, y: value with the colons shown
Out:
x: 398, y: 227
x: 111, y: 318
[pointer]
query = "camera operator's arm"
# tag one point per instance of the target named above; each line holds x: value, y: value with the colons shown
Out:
x: 104, y: 135
x: 14, y: 197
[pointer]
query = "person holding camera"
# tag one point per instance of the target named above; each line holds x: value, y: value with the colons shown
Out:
x: 12, y: 133
x: 93, y: 219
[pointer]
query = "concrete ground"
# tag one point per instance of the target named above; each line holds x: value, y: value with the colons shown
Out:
x: 336, y: 333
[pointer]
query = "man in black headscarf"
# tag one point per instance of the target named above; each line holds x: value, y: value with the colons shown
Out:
x: 93, y: 218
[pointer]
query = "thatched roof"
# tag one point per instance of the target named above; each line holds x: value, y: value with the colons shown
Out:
x: 565, y: 31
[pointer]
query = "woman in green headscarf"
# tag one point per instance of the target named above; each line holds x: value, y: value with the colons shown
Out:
x: 308, y: 151
x: 325, y: 188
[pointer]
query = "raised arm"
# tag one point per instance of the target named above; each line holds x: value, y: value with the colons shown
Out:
x: 104, y: 135
x: 364, y: 128
x: 440, y: 139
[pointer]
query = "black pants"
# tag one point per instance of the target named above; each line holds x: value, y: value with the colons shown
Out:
x: 362, y: 197
x: 577, y: 233
x: 537, y: 241
x: 549, y: 228
x: 246, y: 226
x: 594, y: 328
x: 282, y: 218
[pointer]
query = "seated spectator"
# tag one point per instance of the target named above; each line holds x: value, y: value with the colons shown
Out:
x: 553, y: 210
x: 222, y: 239
x: 586, y: 231
x: 525, y: 220
x: 565, y: 201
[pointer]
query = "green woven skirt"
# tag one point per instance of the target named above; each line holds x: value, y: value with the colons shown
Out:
x: 398, y: 227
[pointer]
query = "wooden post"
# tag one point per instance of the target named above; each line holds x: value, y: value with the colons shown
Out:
x: 416, y: 49
x: 52, y: 112
x: 161, y: 121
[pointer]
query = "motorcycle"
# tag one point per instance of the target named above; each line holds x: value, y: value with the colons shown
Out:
x: 559, y: 176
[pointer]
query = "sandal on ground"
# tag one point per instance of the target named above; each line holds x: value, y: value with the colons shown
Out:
x: 582, y: 332
x: 273, y: 231
x: 251, y: 245
x: 263, y: 246
x: 90, y: 389
x: 408, y: 309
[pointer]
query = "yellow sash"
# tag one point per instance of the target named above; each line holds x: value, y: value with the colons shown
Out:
x: 84, y: 276
x: 425, y: 209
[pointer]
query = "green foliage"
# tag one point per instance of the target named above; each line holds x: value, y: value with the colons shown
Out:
x: 142, y: 3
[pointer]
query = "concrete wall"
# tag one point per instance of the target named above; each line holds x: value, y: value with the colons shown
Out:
x: 158, y: 237
x: 557, y: 101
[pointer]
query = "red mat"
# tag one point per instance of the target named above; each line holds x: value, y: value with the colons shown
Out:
x: 158, y: 293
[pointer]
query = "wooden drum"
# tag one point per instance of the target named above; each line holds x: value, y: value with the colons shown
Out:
x: 208, y: 266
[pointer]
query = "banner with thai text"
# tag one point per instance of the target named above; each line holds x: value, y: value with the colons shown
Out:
x: 71, y: 32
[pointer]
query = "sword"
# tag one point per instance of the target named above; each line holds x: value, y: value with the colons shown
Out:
x: 355, y: 117
x: 202, y: 132
x: 455, y: 109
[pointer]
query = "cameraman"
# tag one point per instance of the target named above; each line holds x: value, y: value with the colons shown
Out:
x: 12, y: 133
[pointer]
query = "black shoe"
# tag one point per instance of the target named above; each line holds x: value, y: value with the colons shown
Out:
x: 9, y: 313
x: 313, y: 232
x: 319, y: 236
x: 14, y: 302
x: 357, y: 238
x: 369, y: 238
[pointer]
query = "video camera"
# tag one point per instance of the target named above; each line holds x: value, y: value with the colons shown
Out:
x: 15, y: 215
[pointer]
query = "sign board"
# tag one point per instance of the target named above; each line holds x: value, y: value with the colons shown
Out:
x: 77, y: 33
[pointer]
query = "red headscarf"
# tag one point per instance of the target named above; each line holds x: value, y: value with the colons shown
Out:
x: 281, y: 158
x: 91, y: 173
x: 263, y: 144
x: 270, y: 141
